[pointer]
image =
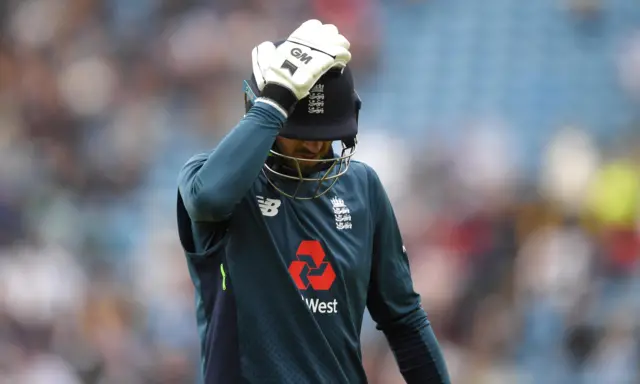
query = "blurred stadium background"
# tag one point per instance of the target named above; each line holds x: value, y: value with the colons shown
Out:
x: 506, y: 131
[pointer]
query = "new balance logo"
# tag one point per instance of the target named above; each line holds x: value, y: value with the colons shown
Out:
x: 302, y: 56
x: 268, y: 207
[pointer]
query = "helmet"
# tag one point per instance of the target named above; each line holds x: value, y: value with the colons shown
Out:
x: 329, y: 113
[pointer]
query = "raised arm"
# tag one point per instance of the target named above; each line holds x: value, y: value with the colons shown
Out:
x: 212, y: 184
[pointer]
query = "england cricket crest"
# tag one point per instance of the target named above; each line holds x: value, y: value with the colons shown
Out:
x: 316, y: 99
x: 341, y: 213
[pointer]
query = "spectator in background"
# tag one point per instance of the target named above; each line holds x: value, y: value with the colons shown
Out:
x: 93, y: 91
x: 359, y: 21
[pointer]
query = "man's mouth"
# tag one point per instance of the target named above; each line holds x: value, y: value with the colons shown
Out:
x: 307, y: 156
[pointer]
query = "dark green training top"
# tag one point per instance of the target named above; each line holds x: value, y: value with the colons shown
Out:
x: 282, y: 284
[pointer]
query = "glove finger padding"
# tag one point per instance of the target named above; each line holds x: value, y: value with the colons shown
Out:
x: 310, y: 65
x: 318, y: 36
x: 307, y: 28
x: 341, y: 55
x: 341, y: 41
x: 329, y: 29
x: 261, y: 57
x: 331, y: 42
x: 299, y: 62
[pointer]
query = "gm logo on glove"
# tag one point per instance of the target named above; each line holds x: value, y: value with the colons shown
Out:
x: 297, y: 53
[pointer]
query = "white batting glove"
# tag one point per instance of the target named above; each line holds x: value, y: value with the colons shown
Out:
x: 286, y: 73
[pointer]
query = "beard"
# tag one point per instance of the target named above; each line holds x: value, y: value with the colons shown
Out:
x: 304, y: 165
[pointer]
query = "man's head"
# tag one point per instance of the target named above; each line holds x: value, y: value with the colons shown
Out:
x: 303, y: 151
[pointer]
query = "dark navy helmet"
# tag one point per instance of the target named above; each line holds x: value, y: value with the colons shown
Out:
x: 329, y: 113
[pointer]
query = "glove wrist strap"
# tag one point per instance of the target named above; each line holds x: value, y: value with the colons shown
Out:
x: 284, y: 97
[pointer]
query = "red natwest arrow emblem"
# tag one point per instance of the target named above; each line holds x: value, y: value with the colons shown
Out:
x: 310, y: 269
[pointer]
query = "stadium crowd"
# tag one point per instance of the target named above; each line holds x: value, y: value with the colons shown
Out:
x: 527, y: 277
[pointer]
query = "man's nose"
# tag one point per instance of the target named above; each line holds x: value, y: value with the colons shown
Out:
x: 312, y: 146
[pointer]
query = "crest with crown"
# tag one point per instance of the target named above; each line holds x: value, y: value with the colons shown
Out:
x: 337, y: 202
x: 316, y: 99
x: 318, y: 88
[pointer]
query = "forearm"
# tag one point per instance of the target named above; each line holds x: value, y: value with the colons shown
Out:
x: 417, y: 350
x: 211, y: 186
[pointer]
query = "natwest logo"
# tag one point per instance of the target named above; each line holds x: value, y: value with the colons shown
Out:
x: 311, y: 271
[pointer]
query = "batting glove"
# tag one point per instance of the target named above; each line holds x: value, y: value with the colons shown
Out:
x: 286, y: 73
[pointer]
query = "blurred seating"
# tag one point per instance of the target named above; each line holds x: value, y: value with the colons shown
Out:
x: 505, y: 131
